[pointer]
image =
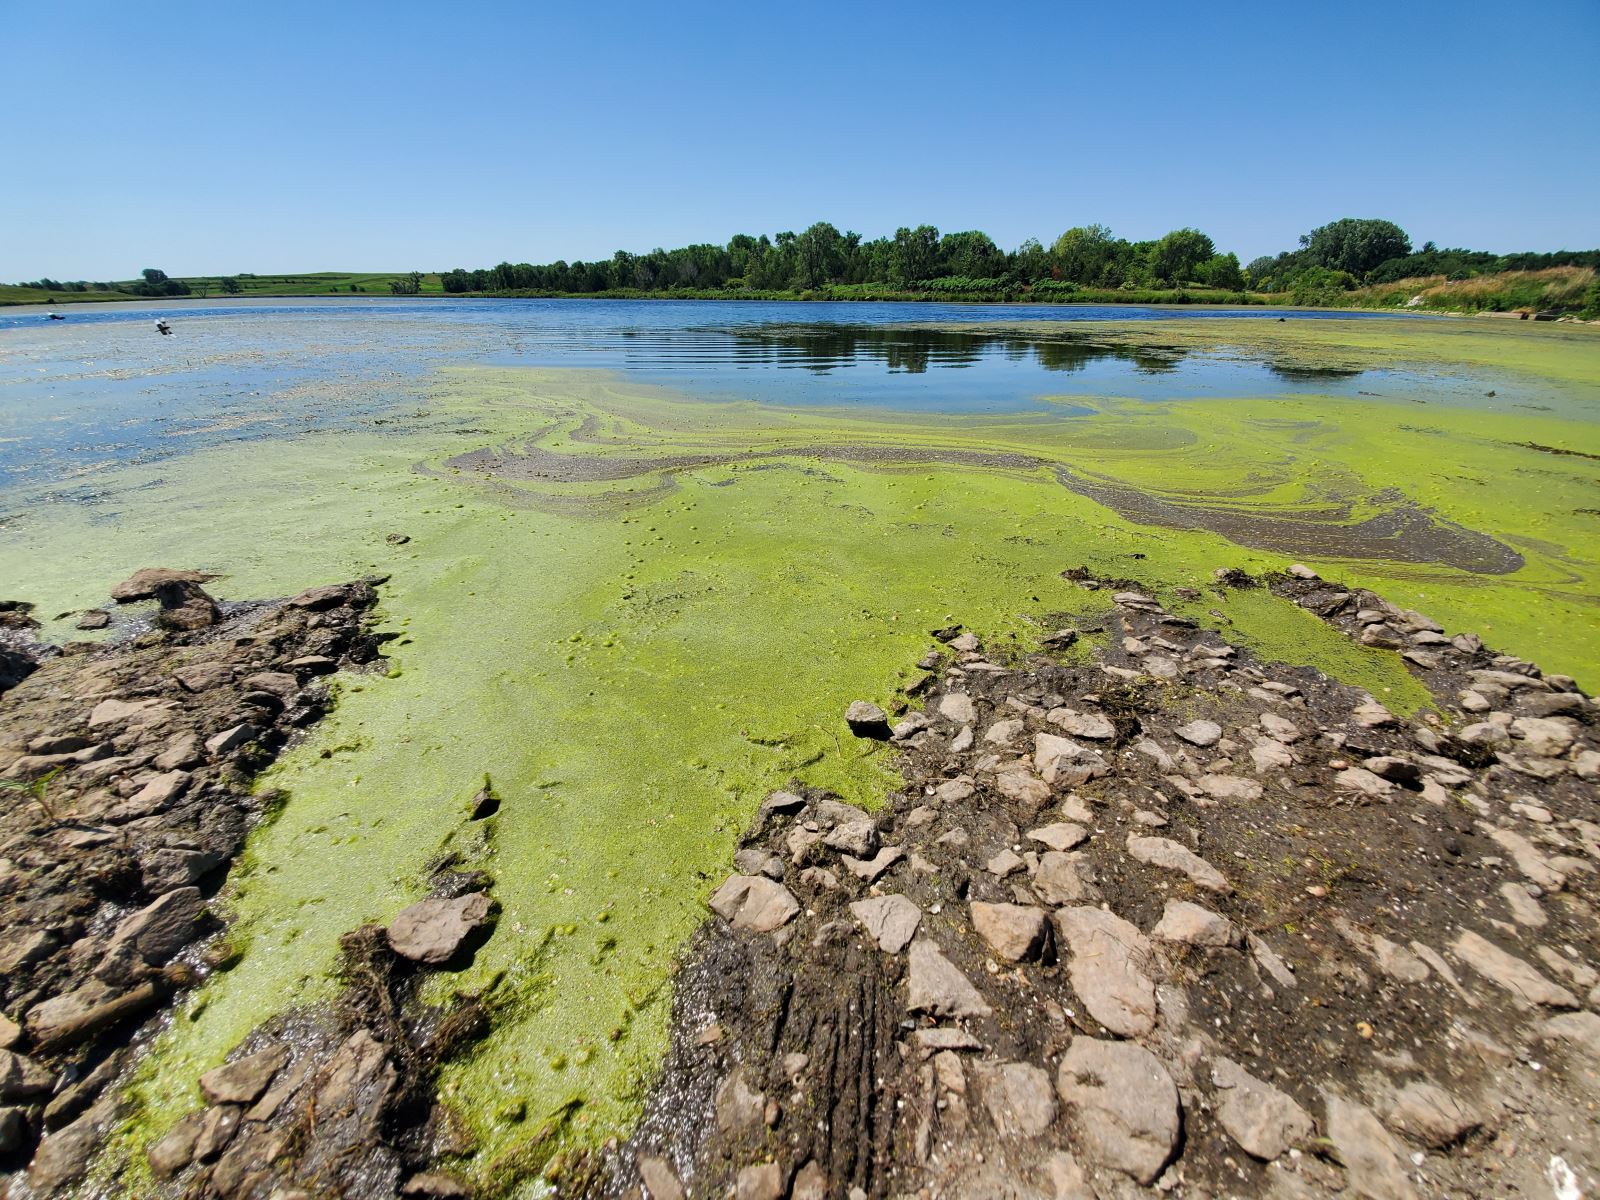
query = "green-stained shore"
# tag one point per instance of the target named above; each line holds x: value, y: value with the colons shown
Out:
x: 638, y: 651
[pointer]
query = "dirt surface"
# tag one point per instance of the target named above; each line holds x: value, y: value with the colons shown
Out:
x: 1169, y: 920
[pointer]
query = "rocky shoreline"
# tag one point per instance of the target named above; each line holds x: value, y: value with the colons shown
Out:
x: 128, y: 768
x: 1148, y: 914
x: 1162, y: 918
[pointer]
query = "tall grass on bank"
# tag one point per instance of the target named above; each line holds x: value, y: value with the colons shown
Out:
x: 1561, y: 289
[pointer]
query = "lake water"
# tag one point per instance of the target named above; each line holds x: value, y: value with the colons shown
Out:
x: 102, y: 387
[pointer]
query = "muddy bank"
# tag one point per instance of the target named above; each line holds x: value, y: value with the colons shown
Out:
x: 1159, y: 917
x: 128, y: 767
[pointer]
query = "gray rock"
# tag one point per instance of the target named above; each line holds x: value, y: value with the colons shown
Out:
x: 763, y: 1181
x: 21, y: 1078
x: 1013, y: 931
x: 936, y: 986
x: 1094, y: 726
x: 1195, y: 925
x: 175, y: 1149
x: 63, y: 1156
x: 1280, y: 729
x: 436, y: 1185
x: 867, y: 720
x: 1200, y: 733
x: 232, y: 738
x: 1108, y: 958
x: 1173, y: 856
x: 870, y: 869
x: 1266, y: 1122
x: 93, y: 618
x: 1375, y: 1161
x: 159, y: 930
x: 244, y: 1079
x: 1007, y: 862
x: 1431, y: 1115
x: 891, y: 921
x: 74, y: 1016
x: 202, y: 676
x: 1526, y: 985
x: 217, y: 1127
x: 858, y: 837
x: 957, y: 707
x: 754, y: 902
x: 740, y: 1107
x: 184, y: 750
x: 432, y: 931
x: 660, y: 1180
x: 1019, y: 1098
x: 1122, y: 1105
x: 1057, y: 880
x: 1580, y: 1030
x: 1063, y: 835
x: 1064, y: 763
x: 1230, y: 787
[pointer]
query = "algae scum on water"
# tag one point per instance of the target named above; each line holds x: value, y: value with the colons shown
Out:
x: 639, y: 611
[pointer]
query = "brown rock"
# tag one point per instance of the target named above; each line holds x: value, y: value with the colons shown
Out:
x: 1014, y: 931
x: 432, y: 931
x: 244, y: 1079
x: 142, y: 584
x: 1122, y: 1105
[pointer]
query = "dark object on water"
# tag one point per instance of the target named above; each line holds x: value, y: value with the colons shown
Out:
x: 163, y: 328
x: 55, y: 316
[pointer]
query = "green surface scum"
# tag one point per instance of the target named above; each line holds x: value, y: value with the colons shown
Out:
x: 637, y: 661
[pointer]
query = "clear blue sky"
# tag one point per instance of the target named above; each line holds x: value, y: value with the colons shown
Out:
x: 356, y: 135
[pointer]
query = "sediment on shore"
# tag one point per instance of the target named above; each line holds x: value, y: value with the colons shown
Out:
x: 1153, y: 915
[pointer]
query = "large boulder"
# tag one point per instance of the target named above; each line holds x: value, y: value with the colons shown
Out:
x: 1122, y: 1105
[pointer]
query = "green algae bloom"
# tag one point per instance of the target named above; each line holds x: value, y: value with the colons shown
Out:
x: 640, y: 612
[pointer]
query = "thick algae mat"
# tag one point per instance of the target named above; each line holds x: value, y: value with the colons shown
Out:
x: 643, y: 612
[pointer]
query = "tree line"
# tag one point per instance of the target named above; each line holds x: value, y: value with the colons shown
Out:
x: 919, y: 258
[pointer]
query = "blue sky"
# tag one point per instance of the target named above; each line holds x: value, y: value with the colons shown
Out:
x: 354, y: 135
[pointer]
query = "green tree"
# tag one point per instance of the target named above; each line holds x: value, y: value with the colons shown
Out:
x: 231, y: 286
x: 1083, y: 254
x: 1356, y: 245
x: 970, y: 253
x: 1176, y: 256
x: 1221, y: 271
x: 914, y: 256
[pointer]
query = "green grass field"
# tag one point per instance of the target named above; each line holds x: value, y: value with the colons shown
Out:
x: 310, y: 283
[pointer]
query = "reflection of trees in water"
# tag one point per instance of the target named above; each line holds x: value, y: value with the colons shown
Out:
x: 1297, y: 373
x: 913, y: 350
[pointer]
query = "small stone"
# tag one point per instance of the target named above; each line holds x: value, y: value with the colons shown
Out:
x: 1196, y: 926
x: 1376, y: 1162
x: 1019, y: 1098
x: 1063, y: 762
x: 436, y: 1185
x: 740, y: 1107
x: 1007, y: 862
x: 891, y: 921
x: 183, y: 751
x: 1363, y: 781
x: 1431, y: 1115
x: 957, y: 707
x: 867, y: 720
x: 1062, y: 835
x: 21, y: 1078
x: 1173, y: 856
x: 1230, y: 787
x: 433, y: 931
x: 859, y: 837
x: 661, y: 1181
x: 244, y: 1079
x: 161, y: 929
x: 1200, y: 733
x: 1094, y: 726
x: 93, y: 618
x: 1300, y: 571
x: 936, y: 986
x: 1013, y: 931
x: 1266, y: 1122
x: 870, y: 869
x: 1280, y: 729
x: 1122, y: 1105
x: 1525, y: 910
x: 1058, y: 881
x: 761, y: 1182
x: 754, y: 902
x: 231, y: 739
x: 1003, y: 733
x: 199, y: 677
x: 175, y: 1150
